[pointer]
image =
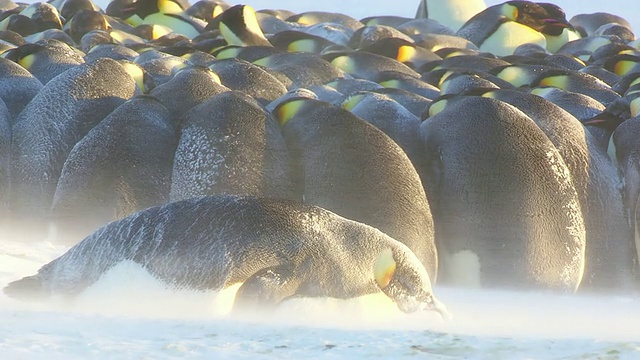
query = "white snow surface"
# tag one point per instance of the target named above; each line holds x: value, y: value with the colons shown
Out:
x: 128, y: 314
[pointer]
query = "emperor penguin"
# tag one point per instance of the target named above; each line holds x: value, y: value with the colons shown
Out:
x: 237, y: 74
x: 195, y: 85
x: 390, y: 117
x: 627, y: 154
x: 68, y: 8
x: 576, y: 81
x: 45, y: 59
x: 398, y: 80
x: 169, y: 13
x: 84, y: 21
x: 500, y: 29
x: 495, y: 227
x: 164, y: 68
x: 303, y: 69
x: 311, y: 18
x: 112, y: 51
x: 276, y: 249
x: 298, y: 41
x: 369, y: 34
x: 348, y: 87
x: 17, y: 87
x: 230, y: 145
x: 402, y: 51
x: 607, y: 264
x: 557, y: 31
x: 346, y: 165
x: 451, y: 13
x: 366, y: 65
x: 206, y: 10
x: 121, y: 166
x: 588, y: 24
x: 239, y: 26
x: 20, y: 24
x: 5, y: 162
x: 59, y: 116
x: 415, y: 103
x: 44, y: 15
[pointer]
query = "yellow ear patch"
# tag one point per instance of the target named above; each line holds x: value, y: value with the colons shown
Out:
x: 158, y: 31
x: 406, y: 53
x: 384, y: 268
x: 306, y: 20
x: 136, y: 73
x: 134, y: 20
x: 169, y: 7
x: 634, y: 107
x: 395, y: 84
x: 262, y: 61
x: 352, y: 101
x: 489, y: 94
x: 622, y: 67
x: 287, y: 111
x: 513, y: 75
x: 303, y: 45
x: 229, y: 36
x: 444, y: 78
x: 454, y: 54
x: 332, y: 84
x: 436, y: 107
x: 344, y: 63
x: 226, y: 53
x: 217, y: 10
x: 251, y: 21
x: 542, y: 92
x: 510, y: 12
x: 635, y: 82
x: 559, y: 81
x: 27, y: 61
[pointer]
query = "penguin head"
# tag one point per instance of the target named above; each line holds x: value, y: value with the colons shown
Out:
x: 438, y: 105
x: 44, y: 15
x: 71, y: 7
x: 614, y: 115
x: 401, y: 276
x: 144, y: 8
x: 548, y: 19
x: 555, y: 20
x: 239, y: 26
x: 20, y: 24
x: 291, y: 107
x: 83, y: 22
x: 24, y: 55
x: 144, y: 81
x: 623, y: 64
x: 151, y: 31
x: 206, y: 9
x: 125, y: 10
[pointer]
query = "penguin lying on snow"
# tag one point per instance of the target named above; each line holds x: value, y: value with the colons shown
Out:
x: 278, y: 249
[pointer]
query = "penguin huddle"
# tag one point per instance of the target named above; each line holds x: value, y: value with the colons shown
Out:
x: 213, y: 145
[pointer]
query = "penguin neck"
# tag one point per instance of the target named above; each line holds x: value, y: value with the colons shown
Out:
x: 453, y: 13
x: 508, y: 36
x: 554, y: 43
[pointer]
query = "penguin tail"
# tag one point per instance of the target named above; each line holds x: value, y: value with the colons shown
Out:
x: 28, y: 288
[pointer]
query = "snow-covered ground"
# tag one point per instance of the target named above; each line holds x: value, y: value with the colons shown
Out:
x: 130, y: 315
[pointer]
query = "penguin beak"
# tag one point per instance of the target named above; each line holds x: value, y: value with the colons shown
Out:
x: 437, y: 306
x: 558, y: 23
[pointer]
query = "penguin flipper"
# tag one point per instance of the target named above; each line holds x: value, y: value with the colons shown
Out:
x: 27, y: 288
x: 266, y: 289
